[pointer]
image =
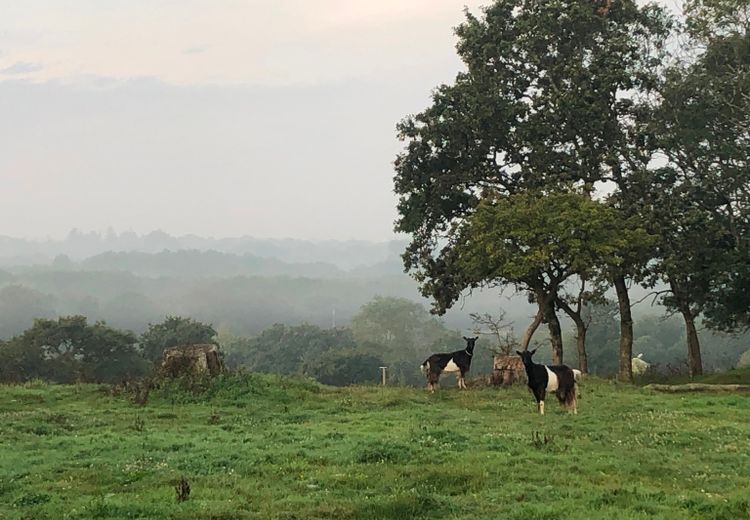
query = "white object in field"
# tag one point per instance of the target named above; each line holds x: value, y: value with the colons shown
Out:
x: 638, y: 365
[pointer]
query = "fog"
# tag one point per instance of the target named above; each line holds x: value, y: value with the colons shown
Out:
x: 273, y: 120
x: 230, y: 164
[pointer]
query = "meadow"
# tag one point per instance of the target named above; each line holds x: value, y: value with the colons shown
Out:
x: 262, y: 446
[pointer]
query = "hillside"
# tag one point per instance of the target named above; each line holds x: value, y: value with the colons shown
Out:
x: 273, y: 448
x: 78, y: 245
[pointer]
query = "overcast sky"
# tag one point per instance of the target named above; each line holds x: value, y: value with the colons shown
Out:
x: 256, y: 117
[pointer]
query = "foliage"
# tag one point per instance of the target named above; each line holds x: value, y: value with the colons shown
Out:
x: 547, y: 105
x: 661, y: 340
x: 172, y: 332
x: 548, y: 88
x: 534, y: 239
x: 602, y: 337
x: 502, y: 332
x: 286, y: 448
x: 403, y: 334
x: 702, y: 206
x: 345, y: 367
x: 401, y: 327
x: 69, y: 349
x: 285, y: 349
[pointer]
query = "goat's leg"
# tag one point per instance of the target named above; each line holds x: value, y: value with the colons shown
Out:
x: 540, y: 401
x: 433, y: 379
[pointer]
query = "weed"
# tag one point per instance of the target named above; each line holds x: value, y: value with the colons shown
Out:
x: 541, y: 440
x: 139, y: 424
x: 380, y: 452
x: 182, y: 489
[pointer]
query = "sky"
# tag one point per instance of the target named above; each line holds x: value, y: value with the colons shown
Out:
x: 273, y: 119
x: 261, y: 118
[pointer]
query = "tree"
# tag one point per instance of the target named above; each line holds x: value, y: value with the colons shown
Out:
x: 343, y: 367
x: 69, y: 349
x: 402, y: 333
x: 547, y: 101
x: 603, y: 331
x: 172, y: 332
x: 505, y: 340
x: 575, y: 307
x: 702, y: 209
x: 400, y: 326
x: 284, y: 349
x: 534, y: 242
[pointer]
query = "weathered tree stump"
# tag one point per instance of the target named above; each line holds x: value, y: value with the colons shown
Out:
x: 191, y: 359
x: 507, y: 370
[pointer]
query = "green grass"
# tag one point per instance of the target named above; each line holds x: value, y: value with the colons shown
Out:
x: 738, y: 376
x: 268, y: 447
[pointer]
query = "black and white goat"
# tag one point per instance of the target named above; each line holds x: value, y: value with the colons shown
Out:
x: 559, y: 379
x: 459, y: 361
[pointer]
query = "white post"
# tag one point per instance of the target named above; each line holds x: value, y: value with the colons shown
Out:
x: 383, y: 375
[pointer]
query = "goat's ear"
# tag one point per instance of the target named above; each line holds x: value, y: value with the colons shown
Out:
x: 532, y: 352
x: 519, y: 353
x: 467, y: 339
x: 476, y: 338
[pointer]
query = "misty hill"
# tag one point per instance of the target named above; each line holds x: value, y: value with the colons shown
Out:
x: 242, y: 305
x: 199, y: 264
x: 79, y: 245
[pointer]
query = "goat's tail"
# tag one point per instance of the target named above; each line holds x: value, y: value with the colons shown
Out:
x: 569, y: 399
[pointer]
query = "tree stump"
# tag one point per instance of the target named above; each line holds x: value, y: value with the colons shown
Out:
x: 192, y: 359
x: 507, y: 370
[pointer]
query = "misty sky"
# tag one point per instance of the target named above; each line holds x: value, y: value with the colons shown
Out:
x: 256, y: 117
x: 272, y: 119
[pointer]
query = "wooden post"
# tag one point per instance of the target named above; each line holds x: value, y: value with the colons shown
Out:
x: 382, y: 375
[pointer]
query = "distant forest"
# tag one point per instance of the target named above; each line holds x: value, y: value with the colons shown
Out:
x: 246, y: 294
x: 235, y: 284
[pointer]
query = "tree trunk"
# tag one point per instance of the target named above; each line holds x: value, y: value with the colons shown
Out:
x: 532, y: 328
x: 583, y: 363
x: 695, y: 363
x: 625, y: 373
x: 555, y: 333
x: 583, y: 360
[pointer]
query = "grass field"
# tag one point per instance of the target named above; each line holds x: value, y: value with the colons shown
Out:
x: 267, y: 447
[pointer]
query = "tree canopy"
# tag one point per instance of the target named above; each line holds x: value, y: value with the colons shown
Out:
x: 69, y: 349
x: 172, y: 332
x: 575, y: 96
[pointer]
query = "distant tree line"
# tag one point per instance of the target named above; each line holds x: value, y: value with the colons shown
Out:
x: 392, y: 332
x: 69, y: 349
x: 387, y: 331
x: 242, y: 304
x: 588, y: 145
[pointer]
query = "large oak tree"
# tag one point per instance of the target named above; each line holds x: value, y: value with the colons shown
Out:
x: 548, y: 99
